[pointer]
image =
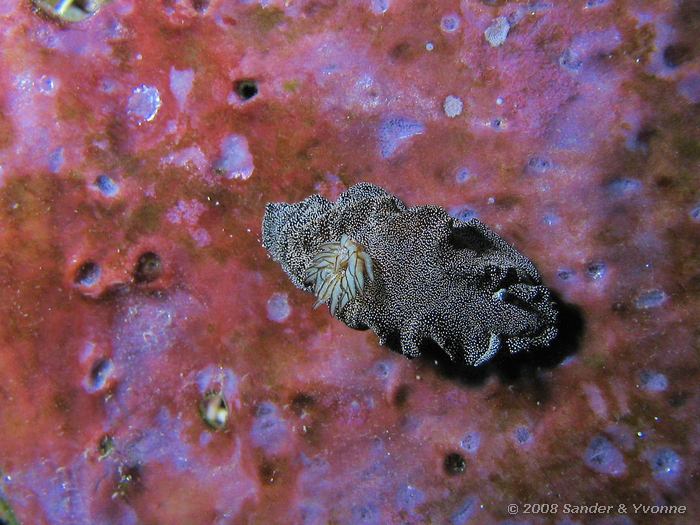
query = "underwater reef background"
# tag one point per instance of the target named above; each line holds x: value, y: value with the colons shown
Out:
x: 158, y: 367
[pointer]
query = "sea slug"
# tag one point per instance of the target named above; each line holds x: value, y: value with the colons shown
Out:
x: 412, y: 274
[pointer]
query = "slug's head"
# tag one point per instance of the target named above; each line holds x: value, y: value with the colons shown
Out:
x: 275, y: 222
x: 281, y: 221
x: 338, y: 272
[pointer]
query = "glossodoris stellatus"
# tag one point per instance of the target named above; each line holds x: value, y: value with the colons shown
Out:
x: 412, y: 274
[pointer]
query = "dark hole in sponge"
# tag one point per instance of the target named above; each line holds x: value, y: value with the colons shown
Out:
x: 88, y: 274
x: 148, y: 268
x: 469, y: 238
x: 678, y: 399
x: 455, y: 464
x: 99, y: 374
x: 246, y: 88
x: 676, y: 54
x: 268, y: 472
x: 301, y: 402
x: 106, y: 446
x: 401, y: 395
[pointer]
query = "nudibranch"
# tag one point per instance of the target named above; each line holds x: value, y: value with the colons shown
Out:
x: 412, y: 274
